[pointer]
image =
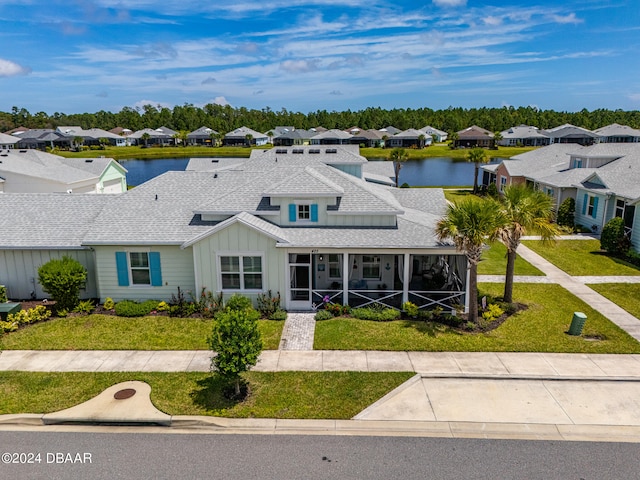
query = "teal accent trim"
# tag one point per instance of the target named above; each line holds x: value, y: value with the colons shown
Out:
x: 122, y: 268
x: 293, y: 213
x: 154, y: 269
x: 314, y: 212
x: 585, y: 202
x: 595, y: 207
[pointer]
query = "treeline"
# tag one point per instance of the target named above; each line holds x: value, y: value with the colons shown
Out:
x: 224, y: 118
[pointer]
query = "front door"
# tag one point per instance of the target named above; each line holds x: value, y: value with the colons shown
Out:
x: 299, y: 281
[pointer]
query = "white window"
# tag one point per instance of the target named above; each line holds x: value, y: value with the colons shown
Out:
x: 241, y: 272
x: 371, y: 267
x: 620, y: 205
x: 548, y: 191
x: 140, y: 271
x: 503, y: 183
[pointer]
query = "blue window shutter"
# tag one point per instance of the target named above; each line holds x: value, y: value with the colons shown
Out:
x: 595, y: 207
x: 314, y: 212
x: 123, y: 270
x: 292, y: 212
x: 585, y: 202
x: 154, y: 269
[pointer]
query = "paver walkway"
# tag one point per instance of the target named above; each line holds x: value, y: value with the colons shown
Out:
x: 299, y: 329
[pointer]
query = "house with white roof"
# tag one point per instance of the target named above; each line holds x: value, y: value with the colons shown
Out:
x: 93, y: 136
x: 525, y: 136
x: 306, y: 224
x: 245, y: 136
x: 437, y: 135
x: 7, y: 141
x: 202, y: 136
x: 568, y: 133
x: 34, y: 171
x: 616, y: 133
x: 410, y: 138
x: 331, y: 137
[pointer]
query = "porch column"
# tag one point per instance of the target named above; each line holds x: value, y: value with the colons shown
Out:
x: 345, y: 278
x: 406, y: 278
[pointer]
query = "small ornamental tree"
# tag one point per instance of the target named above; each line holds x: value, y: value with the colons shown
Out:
x: 236, y: 339
x: 62, y: 279
x: 566, y: 213
x: 613, y: 239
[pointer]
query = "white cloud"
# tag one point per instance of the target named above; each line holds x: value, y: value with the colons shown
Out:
x: 299, y: 66
x: 570, y: 18
x: 635, y: 97
x: 491, y: 20
x: 449, y: 3
x: 220, y: 101
x: 11, y: 69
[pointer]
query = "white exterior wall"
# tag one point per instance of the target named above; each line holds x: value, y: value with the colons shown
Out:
x: 238, y: 239
x: 16, y: 183
x: 585, y: 219
x: 113, y: 180
x: 177, y: 271
x: 19, y: 271
x: 635, y: 233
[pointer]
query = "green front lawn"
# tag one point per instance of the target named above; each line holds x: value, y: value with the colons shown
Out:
x: 581, y: 257
x: 494, y: 262
x: 540, y: 328
x: 106, y: 332
x: 443, y: 151
x: 337, y: 395
x: 625, y: 295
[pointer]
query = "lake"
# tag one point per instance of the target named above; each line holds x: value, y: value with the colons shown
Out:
x: 429, y: 172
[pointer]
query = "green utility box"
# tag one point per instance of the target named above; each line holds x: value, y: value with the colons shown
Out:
x: 7, y: 308
x: 577, y: 323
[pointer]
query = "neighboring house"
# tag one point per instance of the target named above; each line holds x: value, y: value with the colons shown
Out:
x: 524, y: 136
x: 123, y: 132
x: 604, y: 180
x: 331, y: 137
x: 369, y: 138
x: 616, y: 133
x: 390, y: 130
x: 245, y: 136
x: 33, y: 171
x: 410, y: 138
x: 149, y: 137
x: 304, y: 224
x: 438, y: 136
x: 202, y: 136
x: 92, y: 136
x: 474, y: 136
x: 298, y: 136
x: 7, y: 141
x: 38, y: 227
x: 41, y: 138
x: 568, y: 133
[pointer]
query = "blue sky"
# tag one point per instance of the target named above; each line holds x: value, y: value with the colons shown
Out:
x: 77, y: 56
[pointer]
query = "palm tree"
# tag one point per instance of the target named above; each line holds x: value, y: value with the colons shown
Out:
x: 453, y: 138
x: 398, y: 156
x: 497, y: 136
x: 145, y: 137
x: 77, y: 143
x: 477, y: 156
x: 525, y: 209
x: 471, y: 223
x: 249, y: 138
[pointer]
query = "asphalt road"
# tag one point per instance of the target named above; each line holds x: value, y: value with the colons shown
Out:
x: 198, y: 456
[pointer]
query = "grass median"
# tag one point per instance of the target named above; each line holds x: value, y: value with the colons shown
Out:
x: 330, y: 395
x: 541, y: 327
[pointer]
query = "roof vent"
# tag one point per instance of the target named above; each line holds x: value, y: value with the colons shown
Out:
x: 215, y: 175
x: 314, y: 150
x: 214, y: 160
x: 88, y: 160
x: 297, y: 150
x: 22, y: 151
x: 281, y: 150
x: 331, y: 150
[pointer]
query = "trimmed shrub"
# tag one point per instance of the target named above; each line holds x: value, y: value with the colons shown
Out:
x: 62, y: 279
x: 3, y: 294
x: 566, y: 213
x: 323, y: 315
x: 279, y: 315
x: 613, y: 239
x: 411, y: 309
x: 239, y: 302
x: 492, y: 190
x: 129, y: 308
x: 492, y: 312
x: 32, y: 315
x: 85, y: 307
x: 109, y: 304
x: 375, y: 314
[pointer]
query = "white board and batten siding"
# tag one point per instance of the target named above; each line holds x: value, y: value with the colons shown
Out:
x: 238, y: 239
x: 176, y: 271
x: 19, y: 271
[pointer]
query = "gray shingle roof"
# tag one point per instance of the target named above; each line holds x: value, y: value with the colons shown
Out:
x: 48, y: 220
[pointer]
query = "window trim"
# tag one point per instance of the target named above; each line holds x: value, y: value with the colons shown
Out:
x: 241, y: 272
x: 371, y: 264
x: 125, y: 268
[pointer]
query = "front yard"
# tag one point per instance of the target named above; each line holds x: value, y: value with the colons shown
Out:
x: 539, y: 328
x: 108, y: 332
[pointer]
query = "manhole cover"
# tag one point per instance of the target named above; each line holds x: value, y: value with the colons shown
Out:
x: 124, y: 394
